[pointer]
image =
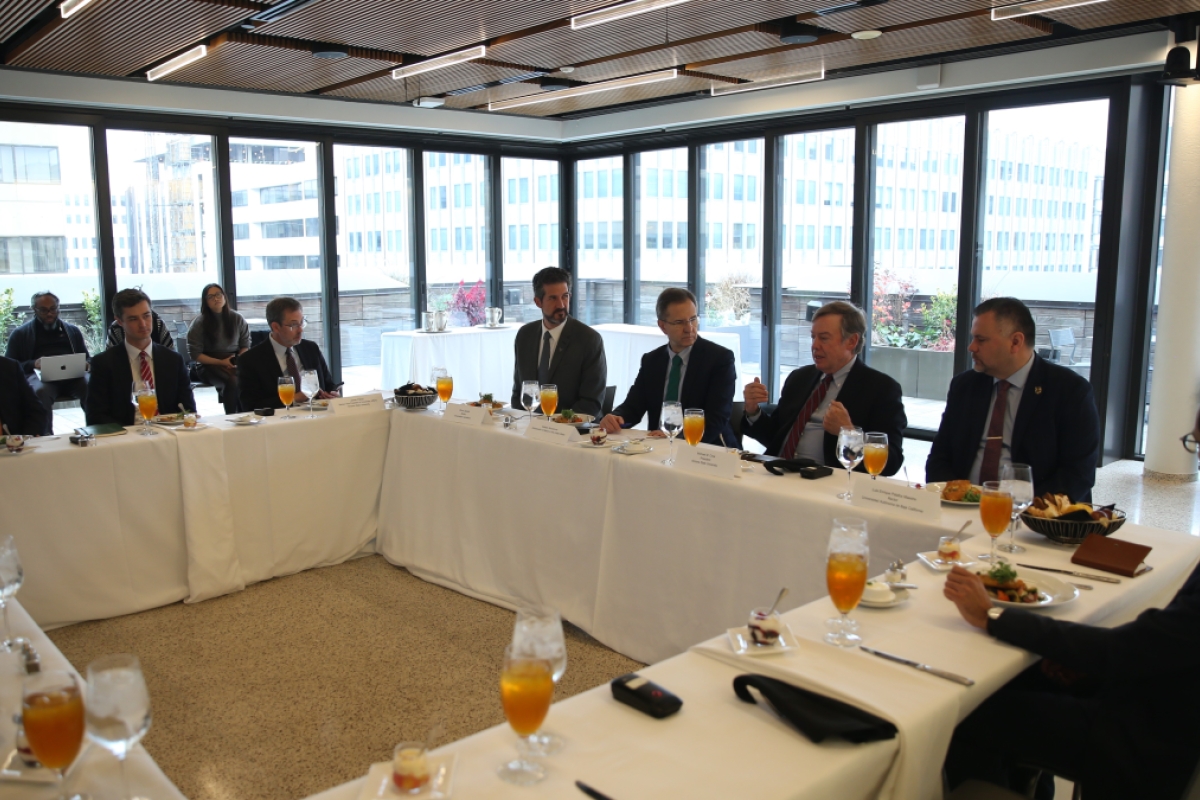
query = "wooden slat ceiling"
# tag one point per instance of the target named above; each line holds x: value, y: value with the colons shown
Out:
x: 15, y: 13
x: 733, y: 39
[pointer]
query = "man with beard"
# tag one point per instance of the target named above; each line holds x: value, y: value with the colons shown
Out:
x: 43, y: 336
x: 559, y: 350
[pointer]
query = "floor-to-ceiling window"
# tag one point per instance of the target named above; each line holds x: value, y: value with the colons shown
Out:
x: 1042, y: 191
x: 914, y: 257
x: 374, y: 246
x: 276, y: 228
x: 660, y: 225
x: 48, y: 239
x: 529, y: 222
x: 600, y: 240
x: 456, y: 229
x: 816, y: 220
x: 731, y: 245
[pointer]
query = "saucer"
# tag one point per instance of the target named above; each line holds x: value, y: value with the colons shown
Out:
x: 932, y: 560
x: 743, y: 645
x: 248, y: 419
x: 633, y: 450
x: 379, y: 785
x: 198, y: 427
x: 898, y: 596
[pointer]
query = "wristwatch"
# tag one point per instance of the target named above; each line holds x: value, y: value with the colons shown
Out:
x: 994, y: 612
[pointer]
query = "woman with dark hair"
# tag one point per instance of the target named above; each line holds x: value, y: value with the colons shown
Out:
x: 215, y: 339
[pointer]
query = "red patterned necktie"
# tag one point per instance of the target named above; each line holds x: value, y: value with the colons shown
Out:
x: 147, y: 375
x: 989, y: 470
x: 810, y: 408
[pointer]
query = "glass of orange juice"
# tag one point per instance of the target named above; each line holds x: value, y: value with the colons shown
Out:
x: 147, y: 403
x: 52, y: 715
x: 549, y: 399
x: 846, y: 577
x: 693, y: 425
x: 287, y: 394
x: 995, y: 510
x: 526, y: 689
x: 875, y: 453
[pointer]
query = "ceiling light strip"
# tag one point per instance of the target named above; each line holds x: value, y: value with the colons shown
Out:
x: 591, y: 88
x: 178, y: 62
x: 69, y: 7
x: 810, y: 76
x: 1037, y: 7
x: 614, y: 13
x: 449, y: 60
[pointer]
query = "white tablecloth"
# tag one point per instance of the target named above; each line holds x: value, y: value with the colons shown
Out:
x: 479, y: 359
x: 95, y: 771
x: 718, y: 746
x: 646, y: 558
x: 624, y: 346
x: 139, y: 522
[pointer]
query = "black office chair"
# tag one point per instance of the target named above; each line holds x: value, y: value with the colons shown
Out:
x: 610, y: 394
x: 735, y: 417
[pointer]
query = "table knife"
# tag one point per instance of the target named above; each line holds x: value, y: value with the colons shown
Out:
x: 950, y: 676
x: 1090, y: 576
x: 590, y: 792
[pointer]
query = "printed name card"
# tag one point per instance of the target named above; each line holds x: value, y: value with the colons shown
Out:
x: 707, y: 459
x: 359, y: 404
x: 544, y: 430
x: 887, y: 495
x: 464, y: 414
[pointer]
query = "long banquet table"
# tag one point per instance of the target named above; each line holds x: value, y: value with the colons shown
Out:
x: 717, y: 746
x: 96, y: 771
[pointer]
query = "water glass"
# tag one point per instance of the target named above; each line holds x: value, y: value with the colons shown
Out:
x: 118, y: 708
x: 671, y: 423
x: 538, y: 633
x: 1018, y: 480
x: 850, y: 450
x: 310, y: 384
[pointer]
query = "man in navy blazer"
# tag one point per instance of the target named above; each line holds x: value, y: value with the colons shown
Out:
x: 559, y: 349
x: 20, y: 410
x: 704, y: 377
x: 1116, y: 710
x: 854, y: 395
x: 284, y: 352
x: 116, y: 370
x: 1048, y: 419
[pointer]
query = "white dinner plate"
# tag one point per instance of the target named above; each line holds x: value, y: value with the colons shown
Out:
x: 199, y: 427
x: 623, y: 450
x: 166, y: 420
x: 1052, y: 591
x: 743, y: 645
x: 248, y: 419
x: 931, y: 559
x: 937, y: 489
x: 379, y: 785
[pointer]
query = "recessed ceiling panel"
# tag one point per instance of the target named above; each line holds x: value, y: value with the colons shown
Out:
x: 898, y: 12
x: 253, y: 66
x: 437, y: 82
x: 663, y: 59
x: 633, y: 94
x: 119, y: 37
x: 1117, y: 12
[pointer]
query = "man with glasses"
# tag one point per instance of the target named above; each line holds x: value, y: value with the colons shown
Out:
x: 1015, y: 406
x: 687, y: 369
x: 285, y: 352
x: 560, y: 350
x: 837, y: 390
x: 1112, y: 708
x: 43, y: 336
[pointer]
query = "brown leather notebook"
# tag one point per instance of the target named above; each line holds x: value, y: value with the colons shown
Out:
x: 1112, y: 555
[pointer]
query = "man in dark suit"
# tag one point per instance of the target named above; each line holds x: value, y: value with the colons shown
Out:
x: 285, y: 352
x: 1113, y: 708
x: 138, y: 362
x: 48, y: 335
x: 838, y: 390
x: 1044, y: 417
x: 693, y: 371
x: 559, y: 350
x: 20, y: 411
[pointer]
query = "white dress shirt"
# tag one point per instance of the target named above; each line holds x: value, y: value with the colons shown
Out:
x: 135, y: 363
x: 1016, y: 389
x: 685, y: 354
x: 812, y: 441
x: 281, y: 357
x: 555, y: 334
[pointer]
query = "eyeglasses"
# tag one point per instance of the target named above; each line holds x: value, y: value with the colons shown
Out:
x: 213, y: 295
x: 1188, y: 440
x: 46, y: 309
x: 295, y: 326
x: 692, y: 322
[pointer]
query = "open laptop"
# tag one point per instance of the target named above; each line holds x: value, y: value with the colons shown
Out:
x: 61, y: 368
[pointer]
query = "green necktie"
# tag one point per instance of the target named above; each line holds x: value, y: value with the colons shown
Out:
x: 673, y: 380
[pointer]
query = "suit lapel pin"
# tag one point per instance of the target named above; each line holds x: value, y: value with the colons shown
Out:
x: 1037, y: 390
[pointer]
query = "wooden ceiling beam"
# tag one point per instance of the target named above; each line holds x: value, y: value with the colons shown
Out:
x: 38, y: 29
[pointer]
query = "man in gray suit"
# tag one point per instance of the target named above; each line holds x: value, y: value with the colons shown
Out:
x: 560, y: 350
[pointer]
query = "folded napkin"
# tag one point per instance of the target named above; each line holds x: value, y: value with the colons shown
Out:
x: 816, y: 716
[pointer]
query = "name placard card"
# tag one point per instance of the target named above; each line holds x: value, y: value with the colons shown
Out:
x: 885, y: 494
x: 464, y: 414
x: 544, y: 430
x: 359, y: 404
x: 707, y: 459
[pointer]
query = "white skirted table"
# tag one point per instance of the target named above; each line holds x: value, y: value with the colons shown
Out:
x: 480, y: 359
